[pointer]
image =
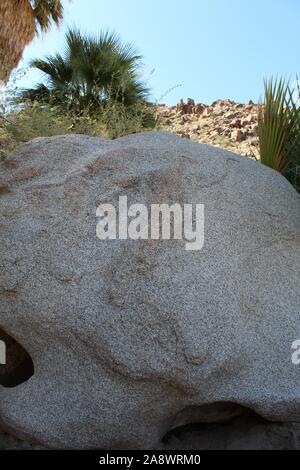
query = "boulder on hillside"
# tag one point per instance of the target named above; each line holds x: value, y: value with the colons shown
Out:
x: 129, y: 339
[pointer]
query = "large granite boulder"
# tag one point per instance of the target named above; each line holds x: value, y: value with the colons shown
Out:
x: 130, y: 339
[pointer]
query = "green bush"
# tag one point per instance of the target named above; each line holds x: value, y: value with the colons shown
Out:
x: 37, y: 120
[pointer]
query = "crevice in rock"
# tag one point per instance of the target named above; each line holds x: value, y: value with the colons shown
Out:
x: 247, y: 431
x: 18, y: 367
x: 204, y: 417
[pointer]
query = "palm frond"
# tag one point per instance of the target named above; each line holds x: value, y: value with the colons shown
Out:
x: 19, y: 22
x: 46, y: 12
x: 16, y: 31
x: 92, y: 71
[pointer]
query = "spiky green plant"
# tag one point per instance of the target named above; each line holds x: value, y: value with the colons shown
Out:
x: 279, y: 129
x: 292, y: 172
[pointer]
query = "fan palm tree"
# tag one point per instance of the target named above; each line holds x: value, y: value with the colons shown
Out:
x: 20, y: 21
x: 92, y: 71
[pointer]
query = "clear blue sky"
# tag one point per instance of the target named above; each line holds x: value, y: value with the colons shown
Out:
x: 213, y: 48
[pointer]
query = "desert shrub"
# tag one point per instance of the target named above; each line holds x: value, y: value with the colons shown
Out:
x: 39, y: 120
x: 31, y: 122
x: 36, y: 121
x: 119, y: 120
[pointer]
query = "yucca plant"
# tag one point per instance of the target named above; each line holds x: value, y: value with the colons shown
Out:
x: 279, y: 129
x: 292, y: 172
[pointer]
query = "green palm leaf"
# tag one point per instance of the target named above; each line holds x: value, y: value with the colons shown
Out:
x: 91, y: 72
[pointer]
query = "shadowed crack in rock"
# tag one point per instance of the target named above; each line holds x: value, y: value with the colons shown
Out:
x: 19, y: 366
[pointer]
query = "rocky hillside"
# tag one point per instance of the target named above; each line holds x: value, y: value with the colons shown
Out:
x: 224, y: 123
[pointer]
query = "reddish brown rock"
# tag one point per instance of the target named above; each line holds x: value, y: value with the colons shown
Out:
x: 237, y: 135
x: 221, y: 118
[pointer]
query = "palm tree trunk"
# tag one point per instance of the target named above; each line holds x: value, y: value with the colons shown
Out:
x: 17, y: 29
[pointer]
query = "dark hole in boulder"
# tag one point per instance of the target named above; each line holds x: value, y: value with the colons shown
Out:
x: 18, y: 367
x: 214, y: 424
